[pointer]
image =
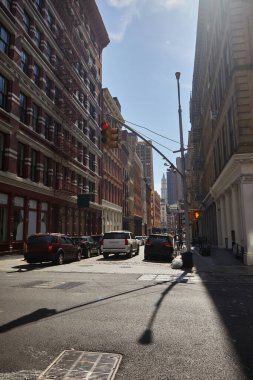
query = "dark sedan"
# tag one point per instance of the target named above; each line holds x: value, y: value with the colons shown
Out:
x: 87, y: 244
x: 159, y: 246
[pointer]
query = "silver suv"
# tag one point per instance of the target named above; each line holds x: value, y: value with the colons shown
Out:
x: 116, y: 242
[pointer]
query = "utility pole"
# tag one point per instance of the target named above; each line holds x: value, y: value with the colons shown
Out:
x: 187, y: 226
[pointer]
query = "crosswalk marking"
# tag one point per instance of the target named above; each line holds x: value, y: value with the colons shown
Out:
x: 169, y: 278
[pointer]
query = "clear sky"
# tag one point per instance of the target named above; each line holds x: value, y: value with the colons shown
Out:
x: 150, y: 40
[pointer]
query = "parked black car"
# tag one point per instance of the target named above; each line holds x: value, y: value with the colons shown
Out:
x: 87, y: 245
x: 54, y: 247
x: 98, y: 239
x: 159, y: 245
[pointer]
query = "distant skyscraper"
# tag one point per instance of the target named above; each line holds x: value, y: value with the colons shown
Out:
x: 164, y: 194
x: 171, y: 187
x: 179, y: 179
x: 145, y: 154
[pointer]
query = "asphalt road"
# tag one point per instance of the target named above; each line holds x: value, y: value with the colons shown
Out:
x: 167, y: 324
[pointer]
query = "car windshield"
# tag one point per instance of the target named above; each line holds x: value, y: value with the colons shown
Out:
x: 39, y: 239
x: 160, y: 238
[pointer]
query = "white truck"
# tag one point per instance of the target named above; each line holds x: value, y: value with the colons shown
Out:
x: 116, y: 242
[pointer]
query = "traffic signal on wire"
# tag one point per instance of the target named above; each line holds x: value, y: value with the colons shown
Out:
x: 113, y: 138
x: 104, y: 132
x: 110, y: 136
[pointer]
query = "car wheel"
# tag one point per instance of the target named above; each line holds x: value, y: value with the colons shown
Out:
x: 60, y: 259
x: 106, y: 255
x: 88, y: 253
x: 130, y: 254
x: 78, y: 255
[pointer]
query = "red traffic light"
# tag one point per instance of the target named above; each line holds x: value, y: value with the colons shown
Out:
x: 103, y: 125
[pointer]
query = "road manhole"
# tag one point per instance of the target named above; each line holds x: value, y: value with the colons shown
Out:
x: 82, y: 365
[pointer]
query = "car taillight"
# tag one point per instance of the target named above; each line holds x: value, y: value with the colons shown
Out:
x: 126, y: 242
x: 167, y: 244
x: 148, y: 242
x: 50, y: 248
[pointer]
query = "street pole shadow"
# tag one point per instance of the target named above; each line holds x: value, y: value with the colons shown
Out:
x: 28, y: 318
x: 44, y: 313
x: 148, y: 336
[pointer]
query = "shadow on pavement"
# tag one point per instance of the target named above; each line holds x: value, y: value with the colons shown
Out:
x: 29, y: 267
x: 147, y: 336
x: 232, y: 294
x: 45, y: 313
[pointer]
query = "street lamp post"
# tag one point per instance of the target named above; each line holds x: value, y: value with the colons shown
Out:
x: 187, y: 227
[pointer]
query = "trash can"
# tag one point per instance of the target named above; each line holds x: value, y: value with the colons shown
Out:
x: 187, y: 259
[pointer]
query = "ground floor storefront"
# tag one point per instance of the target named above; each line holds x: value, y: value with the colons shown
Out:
x: 24, y: 212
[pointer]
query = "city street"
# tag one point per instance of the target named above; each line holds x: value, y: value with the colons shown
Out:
x: 159, y: 323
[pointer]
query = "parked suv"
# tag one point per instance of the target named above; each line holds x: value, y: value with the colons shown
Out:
x: 159, y: 245
x: 54, y: 247
x: 116, y: 242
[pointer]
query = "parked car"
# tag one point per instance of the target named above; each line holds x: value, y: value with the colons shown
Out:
x: 87, y: 245
x: 116, y: 242
x: 159, y: 245
x: 140, y: 240
x: 98, y: 239
x: 54, y: 247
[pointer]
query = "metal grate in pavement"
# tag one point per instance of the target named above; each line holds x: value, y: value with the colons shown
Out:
x: 82, y: 365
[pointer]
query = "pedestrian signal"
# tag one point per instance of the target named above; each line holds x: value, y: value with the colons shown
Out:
x: 196, y: 215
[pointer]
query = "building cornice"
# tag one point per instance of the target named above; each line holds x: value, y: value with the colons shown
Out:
x: 239, y: 168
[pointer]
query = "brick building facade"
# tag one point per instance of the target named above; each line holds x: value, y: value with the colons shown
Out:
x: 50, y: 107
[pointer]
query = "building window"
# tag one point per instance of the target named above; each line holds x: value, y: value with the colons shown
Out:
x: 45, y: 172
x: 92, y: 135
x: 2, y: 138
x: 7, y: 4
x: 26, y: 21
x: 48, y: 85
x: 37, y: 37
x: 48, y: 51
x: 24, y: 61
x: 3, y: 216
x: 18, y: 218
x: 92, y: 161
x: 92, y: 112
x: 35, y: 116
x: 33, y: 175
x: 50, y: 19
x: 44, y: 217
x: 36, y: 74
x: 4, y: 40
x: 38, y: 5
x: 22, y: 107
x: 20, y: 160
x: 92, y: 191
x: 3, y: 92
x: 47, y: 123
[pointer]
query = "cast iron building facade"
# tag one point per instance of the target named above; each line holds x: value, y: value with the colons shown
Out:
x: 50, y: 108
x: 112, y: 170
x: 221, y: 138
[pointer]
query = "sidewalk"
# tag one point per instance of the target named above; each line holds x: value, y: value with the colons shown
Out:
x: 220, y: 261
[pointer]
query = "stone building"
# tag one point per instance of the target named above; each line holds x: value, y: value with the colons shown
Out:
x: 50, y: 106
x: 112, y: 170
x: 221, y: 137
